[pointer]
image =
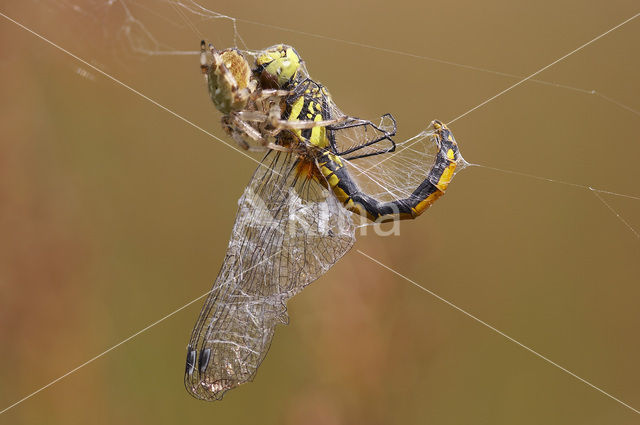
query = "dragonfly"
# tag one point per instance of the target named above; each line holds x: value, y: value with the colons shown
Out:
x: 295, y: 219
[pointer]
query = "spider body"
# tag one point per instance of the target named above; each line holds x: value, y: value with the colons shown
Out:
x: 229, y: 80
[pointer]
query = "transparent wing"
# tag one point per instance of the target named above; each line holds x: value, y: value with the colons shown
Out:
x: 288, y: 232
x: 394, y: 174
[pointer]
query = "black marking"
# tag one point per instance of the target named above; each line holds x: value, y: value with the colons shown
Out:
x: 191, y: 360
x: 383, y: 136
x: 399, y: 207
x: 309, y: 90
x: 203, y: 362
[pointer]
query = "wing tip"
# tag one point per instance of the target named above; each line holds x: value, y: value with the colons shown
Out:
x: 213, y: 391
x: 198, y: 384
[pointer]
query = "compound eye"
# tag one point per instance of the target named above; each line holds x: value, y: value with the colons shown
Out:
x: 268, y: 80
x: 277, y: 66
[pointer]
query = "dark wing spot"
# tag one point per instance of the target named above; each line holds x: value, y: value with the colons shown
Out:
x: 191, y: 360
x: 204, y: 360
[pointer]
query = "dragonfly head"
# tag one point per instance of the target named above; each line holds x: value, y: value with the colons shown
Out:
x: 278, y: 66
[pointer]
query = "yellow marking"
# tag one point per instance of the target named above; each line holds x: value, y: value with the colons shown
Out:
x: 336, y: 159
x: 446, y: 177
x: 333, y: 181
x: 309, y: 116
x: 340, y: 194
x: 359, y: 209
x: 318, y: 134
x: 426, y: 203
x: 450, y: 154
x: 296, y: 108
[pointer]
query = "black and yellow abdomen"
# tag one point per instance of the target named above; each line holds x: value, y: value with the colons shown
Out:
x: 334, y: 169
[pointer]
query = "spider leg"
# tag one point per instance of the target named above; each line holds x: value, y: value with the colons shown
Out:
x: 302, y: 125
x: 254, y: 116
x: 278, y: 124
x: 204, y: 65
x: 260, y: 134
x: 265, y: 94
x: 237, y: 128
x: 432, y: 188
x: 230, y: 125
x: 243, y: 95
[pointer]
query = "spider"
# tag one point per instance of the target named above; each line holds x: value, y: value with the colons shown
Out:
x: 252, y: 101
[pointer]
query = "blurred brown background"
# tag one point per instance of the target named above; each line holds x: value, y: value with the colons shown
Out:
x: 113, y: 213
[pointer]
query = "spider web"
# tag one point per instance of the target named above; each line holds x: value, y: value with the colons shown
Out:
x: 152, y: 34
x: 134, y: 28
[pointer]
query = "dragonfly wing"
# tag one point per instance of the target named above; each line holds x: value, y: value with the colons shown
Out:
x: 289, y: 231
